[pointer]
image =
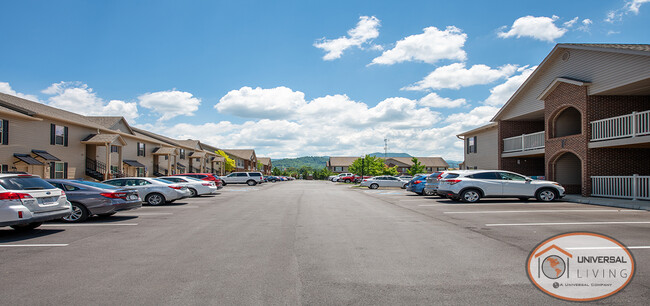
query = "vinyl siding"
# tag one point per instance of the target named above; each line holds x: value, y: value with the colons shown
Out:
x: 486, y: 156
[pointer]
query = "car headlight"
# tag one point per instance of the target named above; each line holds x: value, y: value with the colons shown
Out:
x: 556, y: 184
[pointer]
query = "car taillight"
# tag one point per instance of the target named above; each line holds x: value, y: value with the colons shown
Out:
x: 417, y: 182
x: 439, y: 176
x: 451, y: 182
x: 14, y: 196
x: 114, y: 195
x: 176, y: 187
x: 62, y: 193
x: 206, y: 184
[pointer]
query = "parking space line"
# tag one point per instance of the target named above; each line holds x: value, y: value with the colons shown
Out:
x: 491, y: 204
x: 33, y: 245
x: 89, y: 224
x: 609, y: 248
x: 538, y: 211
x: 570, y: 223
x: 146, y: 214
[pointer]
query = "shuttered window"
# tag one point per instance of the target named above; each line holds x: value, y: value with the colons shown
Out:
x: 141, y: 149
x: 58, y: 135
x: 4, y: 132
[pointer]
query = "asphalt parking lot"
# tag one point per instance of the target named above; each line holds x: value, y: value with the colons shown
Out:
x: 307, y: 242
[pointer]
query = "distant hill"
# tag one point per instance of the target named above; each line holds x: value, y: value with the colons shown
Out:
x: 379, y: 154
x: 453, y: 163
x: 316, y: 162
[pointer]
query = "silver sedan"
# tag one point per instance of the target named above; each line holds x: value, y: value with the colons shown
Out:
x: 196, y: 186
x: 153, y: 191
x: 383, y: 181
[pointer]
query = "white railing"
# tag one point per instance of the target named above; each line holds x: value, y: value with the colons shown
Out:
x: 630, y: 125
x: 524, y: 142
x: 626, y: 187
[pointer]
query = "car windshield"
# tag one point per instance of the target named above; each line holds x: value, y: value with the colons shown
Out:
x: 163, y: 181
x: 24, y: 183
x: 96, y: 184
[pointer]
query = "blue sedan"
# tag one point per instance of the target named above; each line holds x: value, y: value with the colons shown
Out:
x: 417, y: 184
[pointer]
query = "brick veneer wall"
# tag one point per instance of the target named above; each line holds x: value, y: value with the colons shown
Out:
x: 515, y: 128
x: 526, y: 166
x: 619, y: 161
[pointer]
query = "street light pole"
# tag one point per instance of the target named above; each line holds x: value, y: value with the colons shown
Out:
x: 363, y: 157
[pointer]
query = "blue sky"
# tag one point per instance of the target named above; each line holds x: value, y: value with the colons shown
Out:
x: 294, y: 78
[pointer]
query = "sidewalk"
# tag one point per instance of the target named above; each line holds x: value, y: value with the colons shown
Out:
x: 623, y: 203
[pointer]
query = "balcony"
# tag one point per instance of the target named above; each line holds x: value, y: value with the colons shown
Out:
x: 626, y: 130
x: 633, y: 187
x: 524, y: 145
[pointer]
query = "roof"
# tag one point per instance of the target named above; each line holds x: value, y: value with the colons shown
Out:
x: 341, y: 161
x: 241, y: 153
x: 218, y: 158
x: 197, y: 154
x: 159, y: 137
x: 164, y: 151
x: 28, y: 159
x: 103, y: 139
x: 8, y: 111
x: 133, y: 163
x: 264, y: 160
x: 437, y: 162
x: 638, y: 49
x: 44, y: 155
x: 109, y: 122
x: 479, y: 129
x: 192, y: 143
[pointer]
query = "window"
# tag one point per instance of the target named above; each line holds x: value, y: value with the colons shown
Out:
x: 181, y: 152
x: 255, y: 174
x: 58, y: 170
x: 141, y: 149
x: 338, y: 168
x: 71, y: 188
x: 471, y: 145
x: 4, y: 169
x: 511, y: 176
x: 4, y: 131
x: 24, y: 183
x: 140, y: 172
x: 486, y: 176
x: 58, y: 135
x: 242, y: 174
x: 115, y: 149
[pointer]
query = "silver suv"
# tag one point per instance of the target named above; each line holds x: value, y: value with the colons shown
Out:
x: 26, y: 201
x: 472, y: 185
x: 249, y: 178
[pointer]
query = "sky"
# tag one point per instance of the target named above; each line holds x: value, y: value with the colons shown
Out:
x: 297, y: 78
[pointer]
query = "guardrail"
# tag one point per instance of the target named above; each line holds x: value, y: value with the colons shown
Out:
x: 524, y: 142
x: 630, y: 125
x: 633, y: 187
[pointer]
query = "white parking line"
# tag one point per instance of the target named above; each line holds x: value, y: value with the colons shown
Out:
x: 492, y: 204
x: 538, y: 211
x: 89, y: 224
x: 571, y: 223
x: 33, y: 245
x: 609, y: 248
x: 145, y: 214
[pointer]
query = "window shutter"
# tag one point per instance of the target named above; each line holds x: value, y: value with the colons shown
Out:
x: 52, y: 134
x: 65, y: 170
x: 467, y: 145
x: 5, y: 132
x: 65, y: 136
x: 52, y: 168
x: 475, y: 144
x: 144, y: 149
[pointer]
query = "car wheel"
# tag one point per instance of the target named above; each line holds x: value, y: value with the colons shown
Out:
x: 546, y: 195
x: 193, y: 192
x: 26, y: 227
x: 251, y: 183
x: 106, y: 215
x: 79, y: 213
x: 470, y: 196
x: 154, y: 199
x: 346, y: 181
x: 404, y: 186
x: 373, y: 186
x: 427, y: 192
x: 223, y: 184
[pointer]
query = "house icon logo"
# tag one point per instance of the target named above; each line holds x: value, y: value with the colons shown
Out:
x: 580, y: 266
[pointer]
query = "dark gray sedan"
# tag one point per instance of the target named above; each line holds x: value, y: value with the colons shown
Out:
x: 91, y: 198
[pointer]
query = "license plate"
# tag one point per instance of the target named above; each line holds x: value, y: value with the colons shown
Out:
x: 133, y: 197
x: 47, y: 200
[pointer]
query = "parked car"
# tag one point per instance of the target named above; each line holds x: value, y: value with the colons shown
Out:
x: 153, y: 191
x: 406, y: 177
x: 337, y: 177
x: 92, y: 198
x: 472, y: 185
x: 271, y: 179
x: 197, y: 187
x: 358, y: 178
x: 383, y: 181
x: 205, y: 177
x: 417, y: 184
x: 432, y: 183
x: 26, y: 201
x: 347, y: 178
x: 249, y: 178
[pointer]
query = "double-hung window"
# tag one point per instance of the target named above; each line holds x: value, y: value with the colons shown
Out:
x: 58, y: 135
x: 471, y: 145
x: 181, y: 153
x: 141, y: 149
x: 4, y: 132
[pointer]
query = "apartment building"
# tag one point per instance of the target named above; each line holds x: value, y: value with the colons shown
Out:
x: 582, y: 119
x: 484, y: 156
x: 267, y: 166
x: 245, y: 159
x: 340, y: 164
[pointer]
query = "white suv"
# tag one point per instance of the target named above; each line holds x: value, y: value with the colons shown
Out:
x: 26, y: 201
x: 249, y: 178
x: 472, y: 185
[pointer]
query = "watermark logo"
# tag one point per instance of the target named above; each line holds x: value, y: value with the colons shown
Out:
x: 580, y: 266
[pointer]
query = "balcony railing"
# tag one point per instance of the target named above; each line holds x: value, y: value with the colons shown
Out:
x: 626, y: 187
x: 524, y: 142
x: 630, y: 125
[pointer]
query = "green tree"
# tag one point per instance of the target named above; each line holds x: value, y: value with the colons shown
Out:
x: 390, y: 171
x: 416, y: 168
x: 322, y: 174
x: 260, y: 166
x: 276, y: 171
x: 229, y: 165
x: 372, y: 166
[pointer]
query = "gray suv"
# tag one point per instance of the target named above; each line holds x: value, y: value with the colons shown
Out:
x: 249, y: 178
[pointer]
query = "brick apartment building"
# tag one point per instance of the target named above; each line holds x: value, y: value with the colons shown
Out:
x: 582, y: 119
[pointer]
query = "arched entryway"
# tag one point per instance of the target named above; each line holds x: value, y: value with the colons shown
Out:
x: 567, y: 122
x: 568, y: 172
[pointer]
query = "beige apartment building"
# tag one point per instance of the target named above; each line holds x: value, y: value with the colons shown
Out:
x: 267, y: 166
x: 245, y: 159
x: 481, y: 147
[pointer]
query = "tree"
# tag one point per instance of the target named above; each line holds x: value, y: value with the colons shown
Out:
x: 276, y: 171
x: 390, y: 170
x: 260, y: 166
x: 229, y: 165
x: 372, y: 166
x: 416, y: 168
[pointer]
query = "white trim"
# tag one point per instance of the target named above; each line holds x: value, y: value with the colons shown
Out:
x: 556, y: 83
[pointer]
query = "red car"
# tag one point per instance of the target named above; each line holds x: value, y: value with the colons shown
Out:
x: 204, y: 176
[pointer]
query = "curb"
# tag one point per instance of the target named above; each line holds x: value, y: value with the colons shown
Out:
x: 599, y: 202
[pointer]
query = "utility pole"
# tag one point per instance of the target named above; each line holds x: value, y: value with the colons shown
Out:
x: 385, y: 148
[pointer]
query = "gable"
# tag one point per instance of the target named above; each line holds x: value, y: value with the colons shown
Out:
x: 122, y: 126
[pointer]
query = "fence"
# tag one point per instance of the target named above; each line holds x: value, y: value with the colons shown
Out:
x: 630, y: 125
x: 524, y: 142
x: 626, y: 187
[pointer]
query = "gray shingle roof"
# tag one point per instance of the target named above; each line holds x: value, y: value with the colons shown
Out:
x: 341, y: 161
x: 635, y: 47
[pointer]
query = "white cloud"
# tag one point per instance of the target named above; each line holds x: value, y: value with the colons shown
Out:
x: 6, y: 88
x: 79, y: 98
x: 540, y: 28
x: 477, y: 116
x: 634, y: 5
x: 429, y: 47
x: 170, y: 104
x: 501, y: 93
x: 586, y: 23
x: 363, y: 33
x: 274, y: 103
x: 571, y: 22
x: 434, y: 100
x: 455, y: 76
x: 631, y: 6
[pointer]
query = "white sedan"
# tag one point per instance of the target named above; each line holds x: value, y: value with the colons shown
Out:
x: 383, y: 181
x: 196, y: 186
